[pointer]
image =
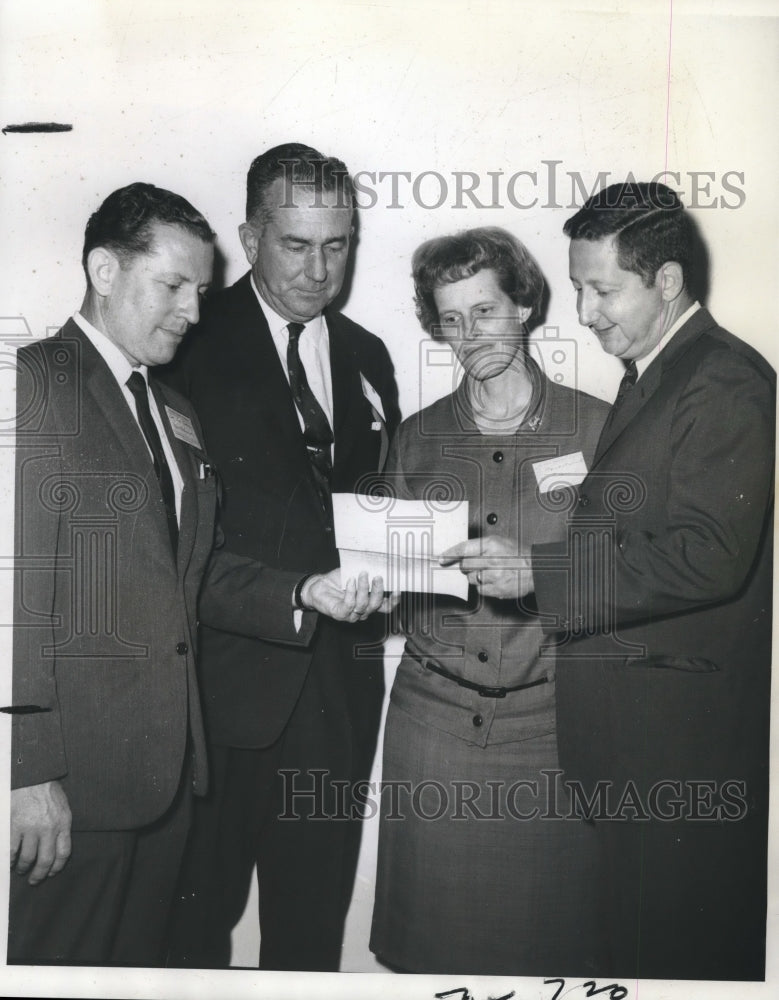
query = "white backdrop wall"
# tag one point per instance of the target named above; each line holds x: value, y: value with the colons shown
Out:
x: 535, y: 103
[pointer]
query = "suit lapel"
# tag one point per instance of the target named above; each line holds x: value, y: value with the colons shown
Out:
x: 637, y: 397
x: 110, y: 400
x: 122, y: 426
x: 186, y: 461
x: 273, y: 392
x: 632, y: 404
x: 275, y: 409
x: 347, y: 391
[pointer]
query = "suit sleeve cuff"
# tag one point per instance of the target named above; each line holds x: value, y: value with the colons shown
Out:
x: 552, y: 579
x: 37, y: 753
x: 247, y: 598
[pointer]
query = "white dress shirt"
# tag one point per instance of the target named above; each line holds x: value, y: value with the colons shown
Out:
x: 314, y: 350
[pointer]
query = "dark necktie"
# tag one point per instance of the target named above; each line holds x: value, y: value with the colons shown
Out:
x: 629, y: 379
x: 136, y: 383
x: 317, y: 432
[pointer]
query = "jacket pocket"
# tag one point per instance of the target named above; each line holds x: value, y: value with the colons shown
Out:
x: 688, y: 664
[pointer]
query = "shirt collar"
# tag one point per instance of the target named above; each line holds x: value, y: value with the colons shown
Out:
x: 277, y: 324
x: 645, y: 362
x: 120, y: 367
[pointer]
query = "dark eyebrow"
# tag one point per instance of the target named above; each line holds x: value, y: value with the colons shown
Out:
x: 289, y: 238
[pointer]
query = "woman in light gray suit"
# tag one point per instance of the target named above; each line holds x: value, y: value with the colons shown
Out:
x: 482, y: 868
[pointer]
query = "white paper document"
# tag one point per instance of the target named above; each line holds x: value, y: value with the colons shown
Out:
x: 401, y: 541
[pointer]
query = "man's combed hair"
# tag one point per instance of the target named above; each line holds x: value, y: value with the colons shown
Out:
x: 302, y: 168
x: 447, y: 259
x: 124, y: 222
x: 648, y: 221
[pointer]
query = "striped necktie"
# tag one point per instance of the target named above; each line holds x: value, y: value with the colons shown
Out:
x: 317, y: 432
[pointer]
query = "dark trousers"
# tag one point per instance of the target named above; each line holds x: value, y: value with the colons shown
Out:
x: 687, y: 899
x: 286, y: 809
x: 110, y: 904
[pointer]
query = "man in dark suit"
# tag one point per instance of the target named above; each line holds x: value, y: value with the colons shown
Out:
x: 297, y: 402
x: 114, y: 527
x: 659, y: 604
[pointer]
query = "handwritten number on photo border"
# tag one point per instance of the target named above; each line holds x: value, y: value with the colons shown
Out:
x: 615, y: 991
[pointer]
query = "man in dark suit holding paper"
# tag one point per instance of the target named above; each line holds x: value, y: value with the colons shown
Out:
x: 297, y: 402
x: 659, y: 604
x: 115, y: 504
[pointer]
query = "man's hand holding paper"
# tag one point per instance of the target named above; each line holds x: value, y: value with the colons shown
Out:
x: 353, y: 601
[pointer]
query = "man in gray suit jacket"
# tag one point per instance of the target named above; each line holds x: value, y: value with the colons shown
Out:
x: 115, y: 511
x: 659, y: 604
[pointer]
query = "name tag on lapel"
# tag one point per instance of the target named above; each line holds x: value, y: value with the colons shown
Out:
x: 182, y: 427
x: 563, y: 470
x: 373, y: 398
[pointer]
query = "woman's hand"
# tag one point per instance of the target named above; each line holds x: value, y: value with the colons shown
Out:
x: 493, y: 565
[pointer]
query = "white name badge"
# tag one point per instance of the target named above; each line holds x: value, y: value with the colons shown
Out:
x: 372, y: 396
x: 564, y: 470
x: 182, y: 427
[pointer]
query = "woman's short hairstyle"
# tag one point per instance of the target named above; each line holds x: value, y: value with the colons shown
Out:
x: 446, y: 259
